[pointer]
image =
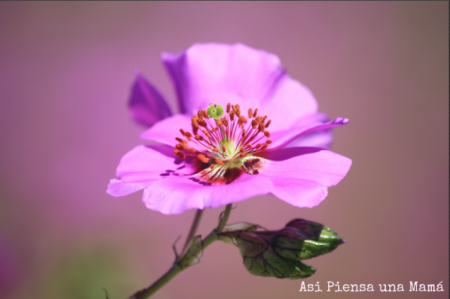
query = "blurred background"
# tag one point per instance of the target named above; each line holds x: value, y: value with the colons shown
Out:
x: 65, y: 75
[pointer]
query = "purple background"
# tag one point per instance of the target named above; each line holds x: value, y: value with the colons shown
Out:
x: 65, y: 75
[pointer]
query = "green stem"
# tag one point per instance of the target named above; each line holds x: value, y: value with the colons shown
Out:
x: 146, y: 293
x: 224, y: 219
x: 175, y: 269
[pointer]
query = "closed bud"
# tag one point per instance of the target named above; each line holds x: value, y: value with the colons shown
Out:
x: 317, y: 232
x: 279, y: 253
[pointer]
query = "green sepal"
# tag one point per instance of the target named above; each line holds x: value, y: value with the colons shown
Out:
x: 193, y: 253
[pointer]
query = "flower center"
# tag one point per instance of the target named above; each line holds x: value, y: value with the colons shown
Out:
x: 224, y: 145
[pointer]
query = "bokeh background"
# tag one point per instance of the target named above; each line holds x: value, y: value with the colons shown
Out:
x: 65, y: 75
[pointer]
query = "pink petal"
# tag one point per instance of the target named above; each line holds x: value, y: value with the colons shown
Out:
x: 315, y: 139
x: 312, y: 135
x: 174, y: 195
x: 140, y: 167
x: 237, y: 74
x: 287, y: 102
x: 147, y: 105
x: 301, y: 175
x: 168, y: 129
x: 299, y: 193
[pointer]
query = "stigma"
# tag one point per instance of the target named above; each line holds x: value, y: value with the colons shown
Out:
x: 222, y: 145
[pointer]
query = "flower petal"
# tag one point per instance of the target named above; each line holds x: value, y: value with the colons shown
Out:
x: 147, y: 105
x: 301, y: 175
x: 287, y: 102
x: 174, y: 195
x: 168, y: 129
x: 314, y: 135
x: 140, y: 167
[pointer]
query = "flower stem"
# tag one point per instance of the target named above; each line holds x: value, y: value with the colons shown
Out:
x: 224, y: 219
x: 175, y: 269
x: 198, y: 216
x: 146, y: 293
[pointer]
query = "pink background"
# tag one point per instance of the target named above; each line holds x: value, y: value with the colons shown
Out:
x: 65, y: 76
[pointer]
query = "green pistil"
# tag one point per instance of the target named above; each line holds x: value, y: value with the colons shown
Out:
x: 215, y: 111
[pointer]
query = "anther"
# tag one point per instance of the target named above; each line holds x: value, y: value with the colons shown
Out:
x: 202, y: 158
x: 188, y: 134
x: 269, y: 141
x: 265, y: 145
x: 255, y: 113
x: 243, y: 119
x: 243, y: 133
x: 219, y: 122
x: 231, y: 115
x: 250, y: 113
x: 228, y: 108
x: 261, y: 128
x: 267, y: 124
x: 190, y: 150
x: 182, y: 132
x: 202, y: 122
x: 216, y: 150
x: 254, y: 123
x: 180, y: 140
x: 258, y: 146
x: 218, y: 161
x: 267, y: 134
x: 179, y: 154
x: 212, y: 166
x: 255, y: 171
x: 225, y: 121
x: 205, y: 132
x: 198, y: 137
x: 224, y: 148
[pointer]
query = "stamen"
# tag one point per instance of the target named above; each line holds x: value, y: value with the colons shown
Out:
x: 180, y: 140
x: 202, y: 158
x: 179, y: 154
x: 226, y: 147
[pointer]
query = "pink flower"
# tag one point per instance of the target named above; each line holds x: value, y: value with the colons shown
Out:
x: 270, y: 139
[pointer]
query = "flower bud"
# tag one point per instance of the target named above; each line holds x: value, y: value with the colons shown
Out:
x: 278, y: 253
x: 317, y: 232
